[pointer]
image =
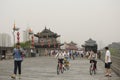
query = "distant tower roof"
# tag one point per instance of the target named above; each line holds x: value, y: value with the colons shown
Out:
x: 90, y: 42
x: 72, y: 43
x: 47, y: 32
x: 70, y: 46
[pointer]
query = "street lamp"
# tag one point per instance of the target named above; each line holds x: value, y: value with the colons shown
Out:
x: 14, y: 29
x: 30, y: 33
x: 31, y: 42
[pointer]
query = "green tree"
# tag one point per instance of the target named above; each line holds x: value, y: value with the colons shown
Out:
x: 25, y: 44
x: 115, y: 51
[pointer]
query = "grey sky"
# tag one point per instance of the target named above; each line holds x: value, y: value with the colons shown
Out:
x: 76, y: 20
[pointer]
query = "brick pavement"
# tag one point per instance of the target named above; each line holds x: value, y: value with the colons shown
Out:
x: 44, y: 68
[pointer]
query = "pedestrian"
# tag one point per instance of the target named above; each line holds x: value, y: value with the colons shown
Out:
x: 81, y: 53
x: 17, y: 54
x: 99, y: 54
x: 3, y: 54
x: 87, y: 54
x: 108, y: 62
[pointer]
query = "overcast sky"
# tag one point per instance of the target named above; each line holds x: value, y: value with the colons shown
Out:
x: 74, y: 20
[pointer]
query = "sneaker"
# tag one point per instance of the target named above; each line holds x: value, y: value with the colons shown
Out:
x: 106, y: 75
x: 110, y: 75
x: 13, y: 76
x: 19, y: 76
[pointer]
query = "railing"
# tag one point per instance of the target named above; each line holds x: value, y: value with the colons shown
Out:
x: 116, y: 64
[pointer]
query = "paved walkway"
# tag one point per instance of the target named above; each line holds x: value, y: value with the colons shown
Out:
x: 44, y: 68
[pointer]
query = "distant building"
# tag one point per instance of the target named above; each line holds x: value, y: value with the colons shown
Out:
x: 69, y: 46
x: 46, y: 41
x: 90, y: 45
x: 5, y: 40
x: 115, y: 45
x: 26, y: 35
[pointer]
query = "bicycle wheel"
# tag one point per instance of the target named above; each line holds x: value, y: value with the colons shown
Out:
x: 94, y: 71
x: 67, y: 67
x: 58, y: 69
x: 62, y: 69
x: 91, y: 70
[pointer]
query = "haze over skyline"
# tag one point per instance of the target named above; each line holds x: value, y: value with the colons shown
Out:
x: 74, y: 20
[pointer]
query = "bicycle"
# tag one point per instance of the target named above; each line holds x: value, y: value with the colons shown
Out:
x: 92, y: 68
x: 59, y: 68
x: 66, y: 64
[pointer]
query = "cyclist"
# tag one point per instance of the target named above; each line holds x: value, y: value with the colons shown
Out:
x: 93, y: 58
x: 60, y: 56
x: 66, y: 60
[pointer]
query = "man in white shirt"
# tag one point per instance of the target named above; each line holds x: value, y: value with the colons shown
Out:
x: 107, y: 62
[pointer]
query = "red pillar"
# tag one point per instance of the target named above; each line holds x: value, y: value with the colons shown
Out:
x: 18, y: 37
x: 32, y: 41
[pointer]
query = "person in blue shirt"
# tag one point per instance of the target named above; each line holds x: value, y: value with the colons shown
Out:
x: 17, y: 54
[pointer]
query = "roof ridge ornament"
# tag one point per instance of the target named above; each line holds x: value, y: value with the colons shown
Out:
x: 45, y: 27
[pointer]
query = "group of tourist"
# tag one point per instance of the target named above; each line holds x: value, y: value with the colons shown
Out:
x: 61, y: 54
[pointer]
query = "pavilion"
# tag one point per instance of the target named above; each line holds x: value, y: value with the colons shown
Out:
x: 90, y: 45
x: 47, y: 40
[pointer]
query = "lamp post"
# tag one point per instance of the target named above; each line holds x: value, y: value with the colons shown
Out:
x: 14, y: 29
x: 30, y: 33
x: 31, y: 42
x: 18, y: 37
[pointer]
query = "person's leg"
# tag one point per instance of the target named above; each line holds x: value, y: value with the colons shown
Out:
x: 106, y: 69
x: 15, y: 67
x: 62, y: 62
x: 95, y: 64
x: 109, y: 69
x: 15, y: 70
x: 109, y: 72
x: 19, y: 68
x: 106, y: 72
